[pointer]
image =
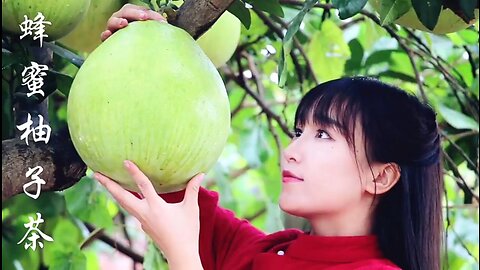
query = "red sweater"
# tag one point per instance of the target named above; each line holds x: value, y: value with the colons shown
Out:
x: 228, y: 243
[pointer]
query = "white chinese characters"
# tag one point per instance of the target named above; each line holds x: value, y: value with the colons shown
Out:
x: 35, y: 233
x: 40, y: 133
x: 35, y: 27
x: 32, y: 78
x: 35, y: 180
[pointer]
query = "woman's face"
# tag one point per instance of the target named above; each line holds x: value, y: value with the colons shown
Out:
x: 321, y: 173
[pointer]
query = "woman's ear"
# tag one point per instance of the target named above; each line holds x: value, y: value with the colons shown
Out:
x: 388, y: 176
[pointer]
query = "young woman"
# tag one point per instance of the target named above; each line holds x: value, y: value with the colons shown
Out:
x: 363, y: 168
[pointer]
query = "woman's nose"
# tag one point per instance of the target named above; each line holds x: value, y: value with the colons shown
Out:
x: 289, y: 154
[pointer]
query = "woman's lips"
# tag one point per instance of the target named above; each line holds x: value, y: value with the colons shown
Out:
x: 291, y: 180
x: 289, y: 177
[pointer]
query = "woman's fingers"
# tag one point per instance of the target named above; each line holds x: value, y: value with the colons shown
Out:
x: 127, y: 200
x: 143, y: 183
x: 152, y: 15
x: 132, y: 13
x: 116, y: 23
x: 137, y: 13
x: 191, y: 192
x: 105, y: 34
x: 129, y: 13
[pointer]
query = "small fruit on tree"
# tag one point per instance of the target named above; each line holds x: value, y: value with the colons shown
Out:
x: 86, y: 36
x: 221, y: 40
x: 63, y: 15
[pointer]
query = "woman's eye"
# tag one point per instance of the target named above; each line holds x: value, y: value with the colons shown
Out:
x: 297, y: 133
x: 322, y: 134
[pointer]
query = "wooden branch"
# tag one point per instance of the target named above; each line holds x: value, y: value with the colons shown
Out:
x: 196, y: 16
x: 240, y: 80
x: 62, y: 167
x: 116, y: 244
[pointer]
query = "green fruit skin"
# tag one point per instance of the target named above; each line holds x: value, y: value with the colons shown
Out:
x: 221, y: 40
x: 149, y: 94
x: 63, y: 14
x: 448, y: 21
x: 86, y: 36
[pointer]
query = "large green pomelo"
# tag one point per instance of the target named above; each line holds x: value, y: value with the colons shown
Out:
x: 63, y: 14
x: 86, y: 36
x: 448, y: 21
x: 149, y: 94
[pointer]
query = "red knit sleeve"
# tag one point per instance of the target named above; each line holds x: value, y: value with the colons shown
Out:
x: 221, y: 233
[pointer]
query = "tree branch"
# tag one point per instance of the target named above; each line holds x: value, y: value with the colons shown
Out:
x: 116, y: 244
x: 240, y: 80
x: 279, y: 33
x: 62, y: 167
x: 196, y: 16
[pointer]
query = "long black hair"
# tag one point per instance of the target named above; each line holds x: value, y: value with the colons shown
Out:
x: 397, y: 128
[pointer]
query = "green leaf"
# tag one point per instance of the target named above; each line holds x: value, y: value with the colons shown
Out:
x: 62, y: 52
x: 49, y: 204
x: 378, y: 57
x: 238, y: 9
x: 66, y: 237
x: 255, y: 147
x: 469, y: 36
x: 88, y: 192
x: 397, y: 75
x: 328, y: 52
x: 271, y: 6
x: 355, y: 61
x: 69, y: 260
x: 153, y: 259
x: 348, y: 8
x: 9, y: 58
x: 428, y: 11
x: 457, y: 119
x: 92, y: 260
x: 14, y: 256
x: 288, y: 40
x: 391, y: 10
x: 474, y: 87
x: 224, y: 187
x: 63, y: 82
x: 468, y: 8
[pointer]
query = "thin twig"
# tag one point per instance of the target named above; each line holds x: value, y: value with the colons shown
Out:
x: 300, y: 48
x: 116, y: 245
x: 279, y: 33
x: 460, y: 150
x: 240, y: 80
x: 124, y: 227
x: 462, y: 184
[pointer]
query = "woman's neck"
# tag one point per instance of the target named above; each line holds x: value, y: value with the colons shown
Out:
x: 356, y: 221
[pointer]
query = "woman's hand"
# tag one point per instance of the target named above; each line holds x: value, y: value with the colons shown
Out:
x: 129, y: 13
x: 173, y: 227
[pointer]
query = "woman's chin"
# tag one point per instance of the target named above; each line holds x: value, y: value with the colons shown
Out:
x: 287, y: 204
